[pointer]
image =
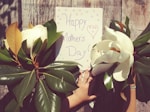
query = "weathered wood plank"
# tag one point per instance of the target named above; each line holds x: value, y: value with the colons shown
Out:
x: 9, y: 11
x: 138, y: 13
x: 37, y: 11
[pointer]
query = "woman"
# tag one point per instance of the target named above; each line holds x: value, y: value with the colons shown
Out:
x: 80, y: 95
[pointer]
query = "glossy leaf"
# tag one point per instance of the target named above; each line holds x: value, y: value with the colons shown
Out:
x: 12, y: 106
x: 145, y: 50
x: 11, y: 74
x: 46, y: 57
x: 137, y: 49
x: 25, y: 87
x: 55, y: 101
x: 24, y: 57
x: 5, y: 56
x: 145, y: 60
x: 146, y: 30
x: 141, y: 40
x: 70, y: 66
x: 46, y: 100
x: 128, y: 32
x: 60, y: 80
x: 108, y: 82
x: 141, y: 68
x: 14, y: 38
x: 53, y: 35
x: 142, y: 90
x: 36, y: 47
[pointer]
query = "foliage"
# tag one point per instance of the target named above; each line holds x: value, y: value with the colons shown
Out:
x: 140, y: 68
x: 35, y: 80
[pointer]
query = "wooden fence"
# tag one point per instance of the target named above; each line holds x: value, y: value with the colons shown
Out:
x: 39, y: 11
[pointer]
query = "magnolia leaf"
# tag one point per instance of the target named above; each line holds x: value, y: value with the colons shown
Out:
x: 5, y: 56
x: 142, y: 87
x: 52, y: 34
x: 67, y: 76
x: 108, y: 82
x: 141, y: 68
x: 14, y: 38
x: 137, y: 49
x: 55, y: 101
x: 128, y: 32
x: 25, y: 87
x: 36, y: 47
x: 45, y: 100
x: 145, y: 50
x: 11, y: 74
x: 145, y: 60
x: 141, y: 40
x: 60, y: 81
x: 66, y: 65
x: 146, y: 30
x: 12, y: 106
x: 24, y: 58
x: 46, y: 57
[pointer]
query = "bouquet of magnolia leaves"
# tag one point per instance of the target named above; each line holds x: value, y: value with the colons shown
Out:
x: 140, y: 68
x: 36, y: 82
x: 121, y: 60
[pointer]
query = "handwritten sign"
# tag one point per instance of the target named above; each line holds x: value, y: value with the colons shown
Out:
x: 82, y: 28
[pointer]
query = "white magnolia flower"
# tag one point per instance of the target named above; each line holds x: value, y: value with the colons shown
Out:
x: 114, y: 47
x: 31, y: 35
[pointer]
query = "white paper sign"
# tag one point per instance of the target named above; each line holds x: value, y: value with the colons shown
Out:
x: 82, y: 28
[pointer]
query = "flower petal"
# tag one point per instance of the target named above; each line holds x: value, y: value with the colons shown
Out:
x: 120, y: 37
x: 39, y: 31
x: 99, y: 49
x: 121, y: 72
x: 100, y: 68
x: 108, y: 57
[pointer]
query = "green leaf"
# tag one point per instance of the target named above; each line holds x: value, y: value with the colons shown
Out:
x: 137, y: 49
x: 141, y: 68
x: 127, y: 26
x: 142, y: 87
x: 12, y: 106
x: 46, y: 57
x: 25, y: 87
x: 70, y: 66
x: 5, y: 57
x: 141, y: 40
x: 145, y: 50
x: 36, y: 47
x: 24, y: 57
x: 146, y: 30
x: 52, y: 34
x: 11, y: 74
x: 60, y: 80
x: 145, y: 60
x: 108, y: 82
x: 46, y: 100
